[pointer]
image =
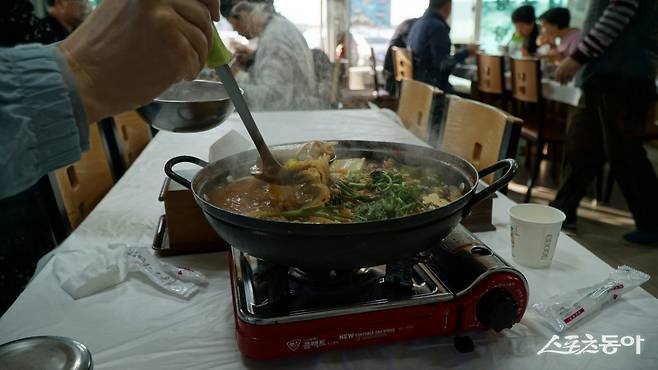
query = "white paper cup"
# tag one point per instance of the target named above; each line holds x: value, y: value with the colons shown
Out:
x: 535, y: 229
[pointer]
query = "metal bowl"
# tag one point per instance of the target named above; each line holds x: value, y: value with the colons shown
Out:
x: 189, y: 106
x: 45, y: 353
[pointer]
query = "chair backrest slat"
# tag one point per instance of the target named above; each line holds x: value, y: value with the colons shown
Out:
x: 491, y: 73
x: 403, y: 67
x: 477, y: 132
x: 82, y: 185
x: 526, y: 80
x: 416, y: 106
x: 132, y: 134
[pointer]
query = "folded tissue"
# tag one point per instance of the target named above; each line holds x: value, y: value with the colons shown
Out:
x: 85, y: 272
x: 229, y: 144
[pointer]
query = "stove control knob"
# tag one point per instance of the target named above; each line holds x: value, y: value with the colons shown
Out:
x: 497, y: 309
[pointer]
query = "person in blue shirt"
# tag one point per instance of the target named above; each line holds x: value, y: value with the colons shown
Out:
x: 429, y: 40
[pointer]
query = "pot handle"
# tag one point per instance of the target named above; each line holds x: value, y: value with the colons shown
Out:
x: 512, y: 168
x: 169, y: 168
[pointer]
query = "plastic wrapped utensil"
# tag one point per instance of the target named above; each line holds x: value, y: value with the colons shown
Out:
x: 565, y: 310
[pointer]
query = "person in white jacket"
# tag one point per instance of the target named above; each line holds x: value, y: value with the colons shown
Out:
x: 282, y: 76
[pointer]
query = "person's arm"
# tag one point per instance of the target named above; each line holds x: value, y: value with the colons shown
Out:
x: 48, y: 94
x: 606, y: 30
x: 42, y: 123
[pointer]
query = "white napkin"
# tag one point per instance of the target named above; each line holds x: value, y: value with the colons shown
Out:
x: 231, y: 143
x: 85, y: 272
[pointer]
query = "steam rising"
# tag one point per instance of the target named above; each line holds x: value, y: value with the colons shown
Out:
x: 452, y: 169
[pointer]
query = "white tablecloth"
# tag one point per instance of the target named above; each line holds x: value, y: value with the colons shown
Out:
x: 551, y: 90
x: 135, y: 326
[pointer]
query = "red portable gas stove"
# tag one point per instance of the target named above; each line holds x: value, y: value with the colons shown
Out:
x: 458, y: 286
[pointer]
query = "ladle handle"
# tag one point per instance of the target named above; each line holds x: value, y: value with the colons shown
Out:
x: 241, y: 107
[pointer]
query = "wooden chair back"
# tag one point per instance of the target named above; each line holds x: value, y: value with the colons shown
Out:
x: 416, y: 106
x: 491, y: 73
x: 132, y: 134
x: 526, y: 80
x: 403, y: 67
x: 82, y: 185
x: 477, y: 132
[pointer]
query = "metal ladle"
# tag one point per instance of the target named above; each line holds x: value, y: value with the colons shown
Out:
x: 271, y: 169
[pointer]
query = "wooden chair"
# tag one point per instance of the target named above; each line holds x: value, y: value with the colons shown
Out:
x: 491, y: 79
x: 132, y: 134
x: 403, y: 67
x: 529, y: 105
x: 80, y: 186
x: 478, y: 132
x: 416, y: 107
x: 380, y: 97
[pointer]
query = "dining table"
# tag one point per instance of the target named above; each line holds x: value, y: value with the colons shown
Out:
x: 135, y: 326
x: 465, y: 75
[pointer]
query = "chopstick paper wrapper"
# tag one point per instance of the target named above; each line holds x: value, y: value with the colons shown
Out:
x: 563, y: 311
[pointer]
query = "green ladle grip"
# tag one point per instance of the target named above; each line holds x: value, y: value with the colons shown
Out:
x: 219, y: 54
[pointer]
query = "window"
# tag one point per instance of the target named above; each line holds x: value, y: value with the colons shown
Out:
x: 306, y: 15
x: 496, y: 26
x: 462, y: 21
x: 373, y: 22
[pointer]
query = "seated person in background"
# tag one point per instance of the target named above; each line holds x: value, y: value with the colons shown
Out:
x: 555, y: 25
x: 527, y: 31
x: 347, y: 48
x: 65, y: 15
x: 243, y: 54
x: 429, y: 40
x: 282, y: 76
x: 400, y: 40
x: 324, y: 73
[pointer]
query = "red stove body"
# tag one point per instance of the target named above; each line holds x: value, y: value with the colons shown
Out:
x: 458, y: 286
